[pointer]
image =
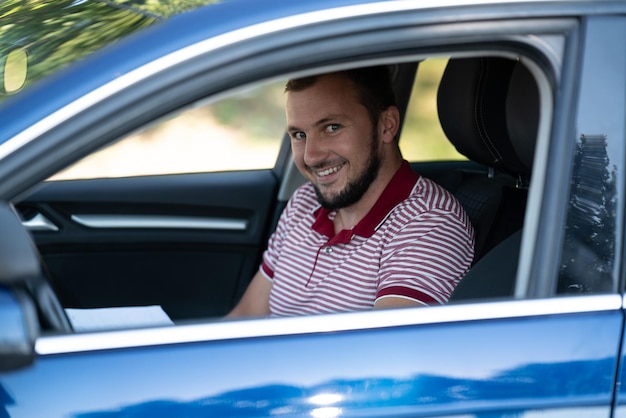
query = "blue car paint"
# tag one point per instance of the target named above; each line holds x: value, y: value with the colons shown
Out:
x: 501, y: 367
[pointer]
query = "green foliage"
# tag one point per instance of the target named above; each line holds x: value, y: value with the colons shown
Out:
x: 422, y: 137
x: 164, y: 8
x: 259, y: 113
x: 57, y: 33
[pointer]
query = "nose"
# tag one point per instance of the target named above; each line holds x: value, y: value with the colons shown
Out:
x: 315, y: 151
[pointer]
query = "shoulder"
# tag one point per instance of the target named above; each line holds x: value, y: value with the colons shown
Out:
x: 428, y: 196
x: 430, y: 205
x: 431, y: 192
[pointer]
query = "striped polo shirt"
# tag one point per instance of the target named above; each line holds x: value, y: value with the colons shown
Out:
x: 416, y: 243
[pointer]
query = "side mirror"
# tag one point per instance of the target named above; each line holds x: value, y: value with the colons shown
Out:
x: 18, y: 328
x: 19, y: 263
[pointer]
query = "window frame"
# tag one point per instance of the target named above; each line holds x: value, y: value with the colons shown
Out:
x: 207, y: 74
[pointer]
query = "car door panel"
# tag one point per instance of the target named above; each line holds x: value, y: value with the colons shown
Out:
x: 186, y: 242
x: 548, y: 364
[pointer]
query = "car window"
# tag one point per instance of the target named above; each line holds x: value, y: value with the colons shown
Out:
x: 422, y: 138
x: 249, y: 125
x: 244, y: 130
x: 591, y: 245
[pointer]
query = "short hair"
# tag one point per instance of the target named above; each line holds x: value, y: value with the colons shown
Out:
x: 373, y: 87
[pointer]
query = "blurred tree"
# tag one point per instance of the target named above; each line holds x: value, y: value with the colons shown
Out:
x: 56, y: 33
x: 164, y: 8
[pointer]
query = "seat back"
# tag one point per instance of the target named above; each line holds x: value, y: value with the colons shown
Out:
x: 489, y: 109
x: 473, y: 111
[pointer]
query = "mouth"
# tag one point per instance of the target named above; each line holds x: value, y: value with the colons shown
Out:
x: 329, y: 171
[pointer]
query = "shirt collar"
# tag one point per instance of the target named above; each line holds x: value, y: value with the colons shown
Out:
x: 397, y: 190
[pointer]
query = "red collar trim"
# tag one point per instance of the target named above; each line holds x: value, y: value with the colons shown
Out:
x: 395, y: 192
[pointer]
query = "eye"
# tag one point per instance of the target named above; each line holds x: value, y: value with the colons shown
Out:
x: 333, y: 127
x: 298, y: 135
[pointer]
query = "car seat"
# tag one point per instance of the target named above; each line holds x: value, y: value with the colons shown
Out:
x: 489, y: 110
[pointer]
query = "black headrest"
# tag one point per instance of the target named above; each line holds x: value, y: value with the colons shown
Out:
x: 522, y: 113
x: 488, y: 108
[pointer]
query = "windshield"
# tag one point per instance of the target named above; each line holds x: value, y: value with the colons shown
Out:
x: 38, y: 38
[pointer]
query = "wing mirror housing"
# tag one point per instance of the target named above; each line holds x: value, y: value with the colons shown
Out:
x: 19, y: 263
x: 18, y: 328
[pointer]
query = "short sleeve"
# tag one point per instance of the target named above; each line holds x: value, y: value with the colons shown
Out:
x: 426, y: 259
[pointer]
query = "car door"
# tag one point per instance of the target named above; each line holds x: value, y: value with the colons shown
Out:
x: 535, y: 353
x: 174, y: 216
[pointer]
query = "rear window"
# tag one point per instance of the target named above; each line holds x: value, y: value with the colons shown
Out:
x: 422, y: 138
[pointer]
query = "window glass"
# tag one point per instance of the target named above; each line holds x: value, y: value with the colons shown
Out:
x: 422, y: 138
x: 243, y: 131
x: 592, y: 243
x: 589, y: 247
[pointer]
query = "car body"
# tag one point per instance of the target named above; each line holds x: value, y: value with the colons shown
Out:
x: 536, y: 328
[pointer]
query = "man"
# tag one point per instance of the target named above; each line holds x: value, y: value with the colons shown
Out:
x: 365, y: 231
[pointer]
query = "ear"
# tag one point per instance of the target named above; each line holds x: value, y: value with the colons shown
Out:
x: 389, y: 123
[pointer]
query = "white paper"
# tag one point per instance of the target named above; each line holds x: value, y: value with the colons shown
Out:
x: 115, y: 318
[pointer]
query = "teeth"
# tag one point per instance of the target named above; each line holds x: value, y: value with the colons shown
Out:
x: 328, y: 171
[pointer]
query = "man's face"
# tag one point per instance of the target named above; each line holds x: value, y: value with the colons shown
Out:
x: 333, y: 141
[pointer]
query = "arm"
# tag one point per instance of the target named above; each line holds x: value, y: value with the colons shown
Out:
x: 396, y: 302
x: 424, y: 261
x: 255, y: 300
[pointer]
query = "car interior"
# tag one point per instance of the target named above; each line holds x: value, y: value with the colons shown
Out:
x: 488, y: 107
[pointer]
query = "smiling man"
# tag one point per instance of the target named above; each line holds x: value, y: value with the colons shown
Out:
x: 365, y: 231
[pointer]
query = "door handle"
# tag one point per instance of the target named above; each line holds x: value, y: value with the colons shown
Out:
x: 39, y: 223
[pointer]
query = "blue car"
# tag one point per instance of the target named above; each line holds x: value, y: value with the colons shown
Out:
x: 144, y: 164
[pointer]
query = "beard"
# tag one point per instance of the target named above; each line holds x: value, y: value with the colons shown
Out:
x: 355, y: 189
